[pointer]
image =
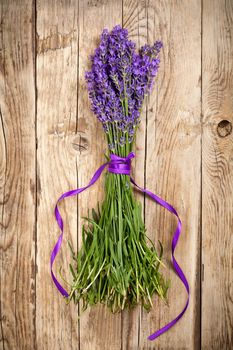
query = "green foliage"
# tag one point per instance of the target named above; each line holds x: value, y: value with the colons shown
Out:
x: 117, y: 265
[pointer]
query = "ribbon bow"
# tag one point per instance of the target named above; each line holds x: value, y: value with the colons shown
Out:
x: 120, y: 165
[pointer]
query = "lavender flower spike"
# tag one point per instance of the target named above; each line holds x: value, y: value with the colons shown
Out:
x: 118, y: 81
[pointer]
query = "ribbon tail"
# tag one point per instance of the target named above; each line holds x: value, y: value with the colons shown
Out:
x: 176, y: 266
x: 60, y: 224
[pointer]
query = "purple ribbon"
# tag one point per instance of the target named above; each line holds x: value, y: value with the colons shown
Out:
x: 119, y: 165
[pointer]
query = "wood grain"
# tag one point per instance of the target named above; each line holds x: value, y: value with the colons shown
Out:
x: 51, y: 142
x: 217, y: 175
x: 56, y: 70
x: 173, y: 161
x: 17, y: 176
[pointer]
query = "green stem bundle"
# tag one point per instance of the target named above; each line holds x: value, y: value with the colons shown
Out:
x: 117, y: 265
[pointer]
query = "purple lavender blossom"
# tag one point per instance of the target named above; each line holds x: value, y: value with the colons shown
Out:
x: 118, y: 81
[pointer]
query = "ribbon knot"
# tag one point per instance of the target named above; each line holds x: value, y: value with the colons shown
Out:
x: 120, y: 165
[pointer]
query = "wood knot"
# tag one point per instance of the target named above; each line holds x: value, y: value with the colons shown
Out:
x: 224, y: 128
x: 96, y: 3
x: 55, y: 41
x: 80, y: 143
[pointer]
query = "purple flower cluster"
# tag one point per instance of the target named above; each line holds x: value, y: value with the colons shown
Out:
x: 118, y: 81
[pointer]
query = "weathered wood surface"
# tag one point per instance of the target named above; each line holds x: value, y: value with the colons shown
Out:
x: 17, y: 176
x: 217, y: 175
x: 50, y: 142
x: 173, y: 160
x: 56, y: 78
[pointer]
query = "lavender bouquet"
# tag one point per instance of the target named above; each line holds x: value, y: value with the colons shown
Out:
x: 115, y: 265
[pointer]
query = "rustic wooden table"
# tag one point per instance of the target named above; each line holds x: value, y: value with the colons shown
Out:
x: 51, y: 142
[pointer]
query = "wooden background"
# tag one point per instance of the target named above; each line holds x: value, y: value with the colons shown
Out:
x: 50, y: 142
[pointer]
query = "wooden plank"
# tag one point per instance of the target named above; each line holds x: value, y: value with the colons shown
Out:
x: 135, y: 20
x: 17, y: 176
x: 57, y: 57
x: 99, y: 328
x: 70, y: 149
x: 173, y: 160
x: 217, y: 175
